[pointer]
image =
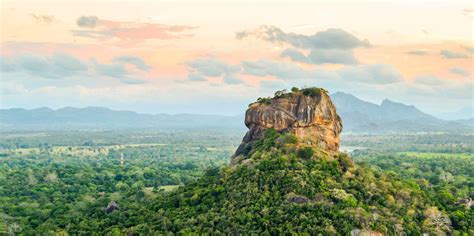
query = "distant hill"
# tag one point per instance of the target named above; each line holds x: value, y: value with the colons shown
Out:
x: 358, y: 116
x: 464, y: 113
x: 362, y: 116
x: 70, y: 118
x: 467, y: 122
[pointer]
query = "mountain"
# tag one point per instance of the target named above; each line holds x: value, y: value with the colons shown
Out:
x: 358, y: 116
x: 361, y: 116
x: 289, y: 181
x: 70, y: 118
x: 464, y: 113
x: 467, y: 122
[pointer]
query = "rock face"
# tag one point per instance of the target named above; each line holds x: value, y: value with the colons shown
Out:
x: 312, y: 118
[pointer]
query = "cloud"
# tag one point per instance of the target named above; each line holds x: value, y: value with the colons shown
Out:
x: 63, y: 66
x: 460, y: 71
x: 117, y: 69
x: 431, y: 85
x: 418, y: 52
x: 196, y: 77
x: 430, y: 80
x: 46, y: 19
x: 232, y: 79
x: 202, y: 68
x: 469, y: 49
x: 277, y: 69
x: 6, y: 65
x: 452, y: 54
x: 321, y: 56
x: 335, y: 56
x: 328, y: 39
x: 211, y: 67
x: 133, y: 60
x: 294, y: 55
x: 87, y: 21
x: 375, y: 73
x: 49, y: 67
x: 333, y: 46
x: 93, y: 27
x: 373, y: 80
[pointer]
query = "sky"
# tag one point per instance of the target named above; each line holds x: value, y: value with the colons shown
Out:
x: 215, y: 57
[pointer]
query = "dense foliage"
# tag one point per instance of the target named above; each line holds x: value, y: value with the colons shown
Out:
x: 275, y: 191
x: 213, y: 138
x: 447, y: 180
x: 413, y: 142
x: 67, y: 188
x: 63, y: 182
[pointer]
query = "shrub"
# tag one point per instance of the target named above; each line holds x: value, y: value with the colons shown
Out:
x: 289, y: 139
x: 264, y: 100
x: 282, y: 94
x: 313, y: 91
x: 345, y: 161
x: 295, y: 89
x: 305, y: 152
x: 279, y: 93
x: 268, y: 141
x: 270, y: 136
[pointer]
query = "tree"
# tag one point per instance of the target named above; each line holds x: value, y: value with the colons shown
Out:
x: 436, y: 222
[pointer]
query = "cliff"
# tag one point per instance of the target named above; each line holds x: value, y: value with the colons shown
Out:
x: 308, y: 113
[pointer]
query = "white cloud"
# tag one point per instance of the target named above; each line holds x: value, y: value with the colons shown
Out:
x: 453, y: 54
x: 328, y: 39
x: 333, y: 46
x: 64, y: 69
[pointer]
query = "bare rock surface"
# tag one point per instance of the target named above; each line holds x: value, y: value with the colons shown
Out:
x: 312, y: 117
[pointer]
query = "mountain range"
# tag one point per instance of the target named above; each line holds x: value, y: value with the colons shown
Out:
x: 358, y: 116
x: 70, y: 118
x: 362, y: 116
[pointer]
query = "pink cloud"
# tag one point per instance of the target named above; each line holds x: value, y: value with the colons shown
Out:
x: 132, y: 31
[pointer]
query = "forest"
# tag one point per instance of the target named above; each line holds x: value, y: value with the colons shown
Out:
x: 141, y: 182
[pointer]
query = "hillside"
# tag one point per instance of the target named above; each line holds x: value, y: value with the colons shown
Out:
x: 284, y: 183
x: 389, y: 116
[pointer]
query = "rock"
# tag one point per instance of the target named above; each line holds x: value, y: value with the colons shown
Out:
x: 312, y: 117
x: 298, y: 199
x: 111, y: 207
x: 467, y: 202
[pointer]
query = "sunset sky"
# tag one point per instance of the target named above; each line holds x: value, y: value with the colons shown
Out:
x: 215, y: 57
